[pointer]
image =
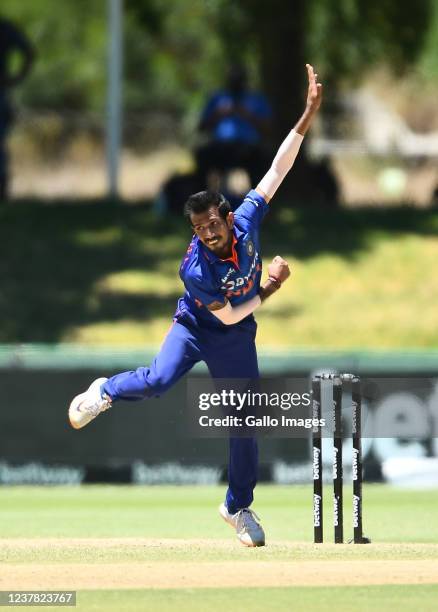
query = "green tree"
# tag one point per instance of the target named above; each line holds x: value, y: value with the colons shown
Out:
x: 176, y: 51
x: 343, y: 39
x: 70, y: 43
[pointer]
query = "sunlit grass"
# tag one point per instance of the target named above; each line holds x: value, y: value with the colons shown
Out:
x: 52, y: 531
x: 124, y: 333
x: 384, y: 298
x: 108, y: 275
x: 136, y: 282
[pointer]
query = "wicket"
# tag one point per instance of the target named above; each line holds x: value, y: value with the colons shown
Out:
x: 338, y: 503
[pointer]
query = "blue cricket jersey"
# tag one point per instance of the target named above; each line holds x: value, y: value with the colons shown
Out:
x: 208, y: 279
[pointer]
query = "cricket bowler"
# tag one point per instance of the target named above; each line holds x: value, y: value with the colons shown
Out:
x: 214, y: 321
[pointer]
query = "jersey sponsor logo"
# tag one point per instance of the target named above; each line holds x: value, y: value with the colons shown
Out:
x: 227, y: 275
x: 242, y: 284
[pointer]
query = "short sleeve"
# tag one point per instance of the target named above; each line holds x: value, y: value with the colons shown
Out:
x: 203, y: 291
x: 252, y: 210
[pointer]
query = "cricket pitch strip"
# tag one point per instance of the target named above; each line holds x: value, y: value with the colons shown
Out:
x: 129, y: 563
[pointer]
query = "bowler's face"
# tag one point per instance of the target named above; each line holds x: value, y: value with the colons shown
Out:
x: 213, y: 231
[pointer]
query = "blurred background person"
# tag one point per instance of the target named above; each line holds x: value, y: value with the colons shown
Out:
x: 236, y: 121
x: 13, y: 42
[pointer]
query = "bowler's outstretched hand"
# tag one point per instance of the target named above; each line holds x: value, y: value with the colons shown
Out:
x: 314, y: 92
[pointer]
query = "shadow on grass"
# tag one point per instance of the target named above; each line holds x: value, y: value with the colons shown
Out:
x: 306, y: 233
x: 54, y: 255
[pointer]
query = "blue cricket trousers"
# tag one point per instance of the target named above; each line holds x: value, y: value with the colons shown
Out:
x: 229, y: 353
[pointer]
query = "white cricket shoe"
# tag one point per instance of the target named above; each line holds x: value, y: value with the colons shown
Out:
x: 247, y: 525
x: 86, y: 406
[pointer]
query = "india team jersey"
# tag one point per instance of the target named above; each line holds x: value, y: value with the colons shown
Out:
x: 208, y: 279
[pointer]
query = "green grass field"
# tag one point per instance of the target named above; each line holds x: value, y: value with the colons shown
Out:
x: 165, y: 548
x: 101, y: 274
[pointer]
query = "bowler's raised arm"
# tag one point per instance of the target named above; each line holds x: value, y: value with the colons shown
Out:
x: 286, y: 154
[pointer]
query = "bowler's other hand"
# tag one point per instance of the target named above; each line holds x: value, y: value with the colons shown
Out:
x: 314, y: 92
x: 279, y: 269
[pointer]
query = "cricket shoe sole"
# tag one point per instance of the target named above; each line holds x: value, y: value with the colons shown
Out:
x: 88, y: 405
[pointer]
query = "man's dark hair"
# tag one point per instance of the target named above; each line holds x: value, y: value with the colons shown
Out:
x: 203, y: 200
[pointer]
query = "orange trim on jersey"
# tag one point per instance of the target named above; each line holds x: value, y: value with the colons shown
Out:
x: 248, y: 287
x: 234, y: 259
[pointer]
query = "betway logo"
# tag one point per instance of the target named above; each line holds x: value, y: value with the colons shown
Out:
x: 336, y: 511
x: 316, y: 455
x: 356, y: 502
x: 355, y: 464
x: 335, y: 462
x: 317, y: 510
x: 354, y: 422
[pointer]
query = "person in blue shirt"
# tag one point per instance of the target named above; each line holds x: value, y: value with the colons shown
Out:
x: 214, y: 322
x: 235, y: 120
